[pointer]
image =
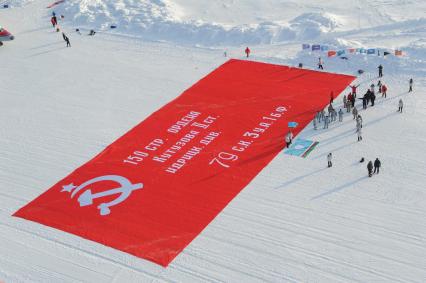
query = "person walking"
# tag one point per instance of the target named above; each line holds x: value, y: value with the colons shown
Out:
x: 411, y: 85
x: 320, y: 64
x: 340, y: 115
x: 329, y: 158
x: 370, y: 168
x: 384, y: 90
x: 66, y: 39
x: 377, y: 165
x: 400, y: 105
x: 247, y: 51
x: 289, y: 138
x: 380, y: 70
x: 379, y: 86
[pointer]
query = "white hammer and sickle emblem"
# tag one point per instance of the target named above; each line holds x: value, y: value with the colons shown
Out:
x: 86, y: 198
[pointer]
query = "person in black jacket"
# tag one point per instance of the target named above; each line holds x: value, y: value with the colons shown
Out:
x: 370, y: 168
x: 377, y: 165
x: 380, y: 71
x: 66, y: 39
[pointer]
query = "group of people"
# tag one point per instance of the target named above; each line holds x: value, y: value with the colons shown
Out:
x: 377, y: 165
x: 349, y: 104
x: 327, y: 117
x: 54, y: 21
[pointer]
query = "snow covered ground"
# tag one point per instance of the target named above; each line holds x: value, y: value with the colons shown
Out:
x: 297, y: 221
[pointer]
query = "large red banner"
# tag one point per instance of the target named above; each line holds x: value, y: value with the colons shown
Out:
x: 152, y: 191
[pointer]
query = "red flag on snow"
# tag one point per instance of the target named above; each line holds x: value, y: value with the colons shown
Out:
x: 152, y: 191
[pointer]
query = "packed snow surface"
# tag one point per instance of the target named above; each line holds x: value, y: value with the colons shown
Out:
x: 297, y: 221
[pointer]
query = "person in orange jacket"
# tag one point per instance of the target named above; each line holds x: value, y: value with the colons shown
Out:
x: 384, y: 89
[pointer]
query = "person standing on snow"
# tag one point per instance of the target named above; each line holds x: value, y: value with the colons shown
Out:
x: 379, y: 86
x: 345, y: 100
x: 372, y: 88
x: 315, y: 124
x: 333, y: 115
x: 400, y: 105
x: 359, y: 120
x: 370, y: 168
x: 380, y: 71
x: 349, y: 103
x: 354, y: 87
x: 329, y: 157
x: 411, y: 85
x: 365, y: 99
x: 340, y: 115
x: 288, y: 138
x: 372, y: 98
x: 359, y: 132
x: 326, y: 122
x: 247, y: 51
x: 355, y: 112
x: 320, y: 64
x: 384, y: 90
x: 377, y: 165
x: 54, y: 21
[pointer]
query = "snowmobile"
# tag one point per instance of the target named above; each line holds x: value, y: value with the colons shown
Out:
x: 5, y: 36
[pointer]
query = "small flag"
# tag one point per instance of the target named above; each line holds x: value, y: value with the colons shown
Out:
x: 316, y: 47
x: 371, y: 51
x: 398, y: 52
x: 292, y: 124
x: 331, y: 53
x: 306, y: 46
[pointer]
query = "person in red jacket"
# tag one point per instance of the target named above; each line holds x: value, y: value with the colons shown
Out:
x: 384, y: 89
x: 354, y: 87
x: 247, y: 52
x: 54, y: 21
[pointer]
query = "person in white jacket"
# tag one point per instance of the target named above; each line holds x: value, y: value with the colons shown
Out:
x: 359, y: 132
x: 288, y: 138
x: 329, y: 157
